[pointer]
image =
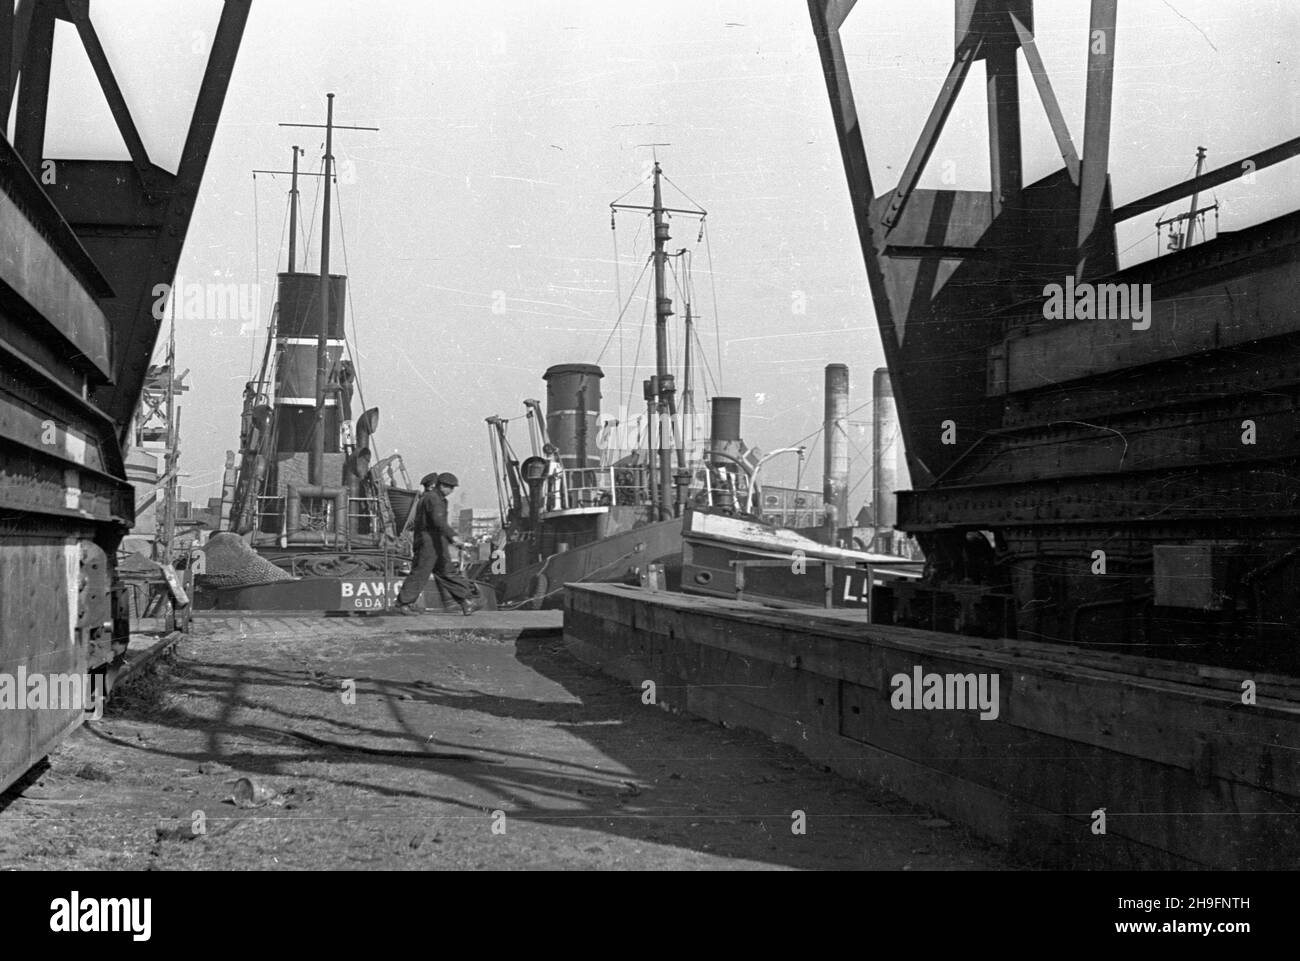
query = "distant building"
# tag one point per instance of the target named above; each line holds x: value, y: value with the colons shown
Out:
x: 146, y: 456
x: 792, y: 507
x: 208, y: 517
x: 476, y: 523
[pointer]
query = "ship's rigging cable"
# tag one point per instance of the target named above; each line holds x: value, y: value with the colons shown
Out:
x: 643, y: 181
x: 266, y: 354
x: 311, y: 221
x: 257, y: 277
x: 645, y: 310
x: 870, y: 470
x: 618, y: 296
x: 687, y: 412
x: 671, y: 359
x: 808, y: 457
x: 704, y: 358
x: 262, y: 386
x: 613, y: 229
x: 619, y: 320
x: 698, y: 207
x: 717, y: 337
x: 712, y: 388
x: 273, y: 322
x: 353, y: 345
x: 865, y: 404
x: 1142, y: 239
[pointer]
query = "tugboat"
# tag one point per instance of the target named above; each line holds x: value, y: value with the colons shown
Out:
x: 650, y: 502
x: 313, y: 524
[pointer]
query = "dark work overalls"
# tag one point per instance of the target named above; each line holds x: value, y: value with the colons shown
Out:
x: 432, y: 535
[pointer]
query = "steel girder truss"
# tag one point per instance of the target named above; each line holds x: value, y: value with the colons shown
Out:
x: 130, y: 217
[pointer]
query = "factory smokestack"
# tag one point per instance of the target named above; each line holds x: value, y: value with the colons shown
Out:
x: 884, y: 450
x: 835, y: 465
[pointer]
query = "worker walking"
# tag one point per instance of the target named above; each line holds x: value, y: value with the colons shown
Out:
x: 433, y: 537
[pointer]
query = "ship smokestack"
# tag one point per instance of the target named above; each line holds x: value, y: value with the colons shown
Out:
x: 884, y: 450
x: 573, y: 412
x: 297, y: 333
x: 724, y: 428
x: 835, y: 464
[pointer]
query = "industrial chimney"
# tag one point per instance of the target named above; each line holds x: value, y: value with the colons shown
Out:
x: 835, y: 465
x: 884, y: 450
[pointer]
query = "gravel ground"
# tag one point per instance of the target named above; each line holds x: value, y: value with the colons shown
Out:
x: 409, y: 743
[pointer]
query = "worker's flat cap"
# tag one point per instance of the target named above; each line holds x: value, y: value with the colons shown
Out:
x: 428, y: 480
x: 449, y: 480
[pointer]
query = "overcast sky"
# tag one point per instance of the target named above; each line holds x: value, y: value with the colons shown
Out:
x: 506, y: 128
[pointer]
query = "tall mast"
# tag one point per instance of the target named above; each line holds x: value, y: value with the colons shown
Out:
x: 663, y: 310
x: 316, y: 463
x: 173, y: 439
x: 316, y: 457
x: 660, y: 391
x: 293, y: 214
x: 1196, y: 196
x: 688, y: 390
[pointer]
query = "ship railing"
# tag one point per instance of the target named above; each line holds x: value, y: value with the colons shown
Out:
x: 792, y: 507
x: 269, y: 518
x: 630, y: 485
x: 580, y: 488
x: 795, y: 517
x: 720, y: 487
x: 363, y: 515
x: 586, y: 488
x: 363, y: 519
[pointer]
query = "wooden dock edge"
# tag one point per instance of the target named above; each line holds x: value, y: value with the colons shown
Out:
x: 137, y: 660
x: 1188, y: 774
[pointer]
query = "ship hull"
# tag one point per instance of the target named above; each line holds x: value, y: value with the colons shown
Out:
x: 620, y: 558
x: 735, y: 557
x: 329, y: 594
